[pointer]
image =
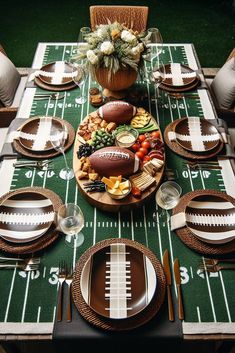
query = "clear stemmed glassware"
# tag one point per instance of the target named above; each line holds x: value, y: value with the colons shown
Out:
x: 158, y: 75
x: 167, y: 197
x: 80, y: 80
x: 70, y: 220
x: 58, y: 137
x: 154, y: 51
x: 82, y: 33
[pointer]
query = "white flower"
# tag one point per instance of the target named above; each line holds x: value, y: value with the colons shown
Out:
x: 127, y: 36
x: 92, y: 57
x: 138, y: 49
x: 107, y: 48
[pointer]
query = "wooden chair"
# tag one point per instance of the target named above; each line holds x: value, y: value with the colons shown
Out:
x: 7, y: 114
x: 134, y: 17
x: 226, y: 114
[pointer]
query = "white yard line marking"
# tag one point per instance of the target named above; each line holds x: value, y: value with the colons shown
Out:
x: 54, y: 313
x: 94, y: 226
x: 202, y: 179
x: 198, y: 314
x: 145, y: 226
x: 209, y: 291
x: 225, y: 296
x: 39, y: 313
x: 44, y: 272
x: 25, y: 296
x: 10, y: 295
x: 132, y: 226
x: 227, y: 175
x: 119, y: 225
x: 159, y: 237
x: 206, y: 105
x: 191, y: 271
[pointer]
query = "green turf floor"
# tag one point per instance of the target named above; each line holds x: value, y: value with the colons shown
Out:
x: 209, y: 24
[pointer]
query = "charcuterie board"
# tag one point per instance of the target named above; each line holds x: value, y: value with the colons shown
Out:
x: 111, y: 160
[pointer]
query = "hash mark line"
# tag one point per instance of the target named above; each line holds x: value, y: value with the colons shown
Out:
x: 171, y: 252
x: 225, y: 296
x: 33, y: 177
x: 209, y: 291
x: 44, y: 272
x: 159, y: 236
x: 54, y: 312
x: 198, y: 314
x: 191, y: 270
x: 202, y: 179
x: 25, y: 297
x: 39, y: 313
x: 10, y: 295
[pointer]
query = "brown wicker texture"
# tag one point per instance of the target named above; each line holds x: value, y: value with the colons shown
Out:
x: 46, y: 154
x: 56, y: 88
x: 123, y: 324
x: 191, y: 240
x: 48, y: 238
x: 134, y: 17
x: 175, y: 147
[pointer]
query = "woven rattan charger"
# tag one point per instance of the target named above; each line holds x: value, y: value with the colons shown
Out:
x: 121, y: 324
x: 175, y: 147
x: 189, y: 239
x: 46, y: 239
x: 46, y: 154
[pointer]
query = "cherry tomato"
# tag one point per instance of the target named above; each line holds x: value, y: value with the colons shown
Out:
x: 156, y: 134
x: 135, y: 147
x: 145, y: 144
x: 136, y: 192
x: 141, y: 138
x: 140, y: 155
x: 146, y: 159
x: 143, y: 150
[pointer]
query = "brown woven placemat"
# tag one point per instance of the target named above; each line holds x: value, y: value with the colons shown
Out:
x: 123, y: 324
x: 189, y: 239
x: 48, y: 87
x: 45, y: 240
x: 46, y: 154
x: 175, y: 147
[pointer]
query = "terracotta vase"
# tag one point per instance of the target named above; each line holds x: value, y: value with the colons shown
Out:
x: 115, y: 84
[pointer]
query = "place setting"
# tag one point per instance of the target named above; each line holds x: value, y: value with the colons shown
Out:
x: 194, y: 138
x: 27, y: 220
x: 175, y: 77
x: 105, y: 290
x: 204, y: 221
x: 43, y: 137
x: 55, y: 76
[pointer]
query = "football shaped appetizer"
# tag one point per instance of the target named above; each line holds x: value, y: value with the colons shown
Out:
x: 118, y: 111
x: 114, y: 161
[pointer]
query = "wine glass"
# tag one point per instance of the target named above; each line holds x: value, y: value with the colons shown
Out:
x: 58, y: 137
x: 82, y: 33
x: 167, y: 197
x: 154, y: 49
x: 70, y: 220
x: 79, y: 79
x: 157, y: 76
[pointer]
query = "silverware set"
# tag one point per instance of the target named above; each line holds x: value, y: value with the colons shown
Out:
x: 53, y: 96
x: 202, y: 165
x: 167, y: 270
x: 214, y: 265
x: 65, y: 275
x: 42, y: 165
x: 27, y: 264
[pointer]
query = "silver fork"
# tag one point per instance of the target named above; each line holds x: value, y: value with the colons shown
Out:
x: 41, y: 96
x: 61, y: 278
x: 68, y: 280
x: 25, y: 267
x: 38, y: 164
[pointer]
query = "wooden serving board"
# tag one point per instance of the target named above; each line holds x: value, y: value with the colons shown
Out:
x: 102, y: 200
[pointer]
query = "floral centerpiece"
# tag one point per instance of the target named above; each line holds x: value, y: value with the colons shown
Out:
x: 114, y: 47
x: 114, y: 55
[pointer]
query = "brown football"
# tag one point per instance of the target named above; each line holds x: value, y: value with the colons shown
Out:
x: 114, y: 161
x: 118, y: 111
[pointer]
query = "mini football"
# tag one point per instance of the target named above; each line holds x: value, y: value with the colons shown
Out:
x: 114, y: 161
x: 117, y: 111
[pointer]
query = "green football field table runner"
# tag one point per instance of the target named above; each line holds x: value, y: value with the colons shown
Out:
x: 28, y: 300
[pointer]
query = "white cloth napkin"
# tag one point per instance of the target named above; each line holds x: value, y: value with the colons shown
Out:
x: 178, y: 221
